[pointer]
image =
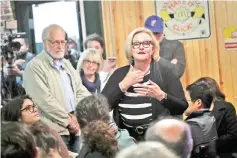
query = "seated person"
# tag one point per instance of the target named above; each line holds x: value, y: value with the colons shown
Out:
x: 17, y: 141
x: 22, y: 109
x: 46, y: 141
x: 226, y: 120
x: 99, y: 141
x: 200, y: 119
x: 95, y: 107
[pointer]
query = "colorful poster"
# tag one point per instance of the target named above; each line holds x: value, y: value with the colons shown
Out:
x: 184, y: 19
x: 230, y: 35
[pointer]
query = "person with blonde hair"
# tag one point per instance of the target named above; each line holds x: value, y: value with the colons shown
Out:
x: 109, y: 63
x: 141, y: 92
x: 88, y: 67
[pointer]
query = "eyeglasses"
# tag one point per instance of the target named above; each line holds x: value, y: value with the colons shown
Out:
x: 30, y: 108
x: 145, y: 44
x: 57, y: 42
x: 93, y: 63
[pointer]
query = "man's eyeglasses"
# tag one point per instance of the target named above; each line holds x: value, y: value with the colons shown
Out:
x: 57, y: 42
x: 145, y: 44
x: 93, y: 63
x: 30, y: 108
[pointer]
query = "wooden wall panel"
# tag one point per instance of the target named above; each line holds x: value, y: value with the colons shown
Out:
x: 204, y: 57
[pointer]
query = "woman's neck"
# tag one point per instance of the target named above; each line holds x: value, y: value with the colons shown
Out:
x: 142, y: 65
x: 90, y: 77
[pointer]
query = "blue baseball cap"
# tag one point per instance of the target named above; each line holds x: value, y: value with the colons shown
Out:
x: 155, y: 24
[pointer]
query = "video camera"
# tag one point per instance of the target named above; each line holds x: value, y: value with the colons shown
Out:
x: 9, y: 47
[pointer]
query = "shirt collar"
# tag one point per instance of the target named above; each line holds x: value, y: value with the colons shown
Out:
x: 55, y: 63
x: 198, y: 113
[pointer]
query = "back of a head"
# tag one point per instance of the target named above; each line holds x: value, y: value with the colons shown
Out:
x: 93, y: 107
x: 202, y: 91
x: 215, y: 88
x: 99, y: 138
x: 17, y: 141
x: 45, y: 139
x: 147, y: 150
x: 174, y: 133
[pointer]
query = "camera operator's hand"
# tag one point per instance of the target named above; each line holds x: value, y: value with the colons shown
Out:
x: 14, y: 71
x: 19, y: 63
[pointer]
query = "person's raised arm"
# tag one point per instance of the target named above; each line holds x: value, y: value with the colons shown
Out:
x: 175, y: 101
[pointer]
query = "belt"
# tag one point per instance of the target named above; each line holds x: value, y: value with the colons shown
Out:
x: 138, y: 129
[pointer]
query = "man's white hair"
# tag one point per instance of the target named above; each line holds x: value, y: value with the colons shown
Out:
x: 47, y: 30
x: 147, y: 150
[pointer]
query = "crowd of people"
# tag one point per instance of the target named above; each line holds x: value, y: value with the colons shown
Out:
x: 81, y: 105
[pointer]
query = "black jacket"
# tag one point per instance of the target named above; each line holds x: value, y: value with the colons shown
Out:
x: 175, y: 104
x: 203, y: 128
x: 226, y: 126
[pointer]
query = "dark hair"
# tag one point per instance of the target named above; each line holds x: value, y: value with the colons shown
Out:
x: 94, y: 37
x: 214, y: 87
x: 16, y: 141
x: 44, y: 137
x: 93, y: 107
x: 12, y: 110
x: 98, y: 138
x: 201, y: 91
x: 181, y: 147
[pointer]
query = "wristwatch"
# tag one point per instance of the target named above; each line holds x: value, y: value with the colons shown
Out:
x: 164, y: 99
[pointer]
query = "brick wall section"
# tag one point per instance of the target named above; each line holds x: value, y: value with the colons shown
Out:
x: 6, y: 14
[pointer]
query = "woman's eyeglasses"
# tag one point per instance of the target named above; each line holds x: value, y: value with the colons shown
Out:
x: 145, y: 44
x: 30, y: 108
x: 93, y: 63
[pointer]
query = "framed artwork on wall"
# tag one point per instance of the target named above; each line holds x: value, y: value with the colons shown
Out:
x: 185, y: 19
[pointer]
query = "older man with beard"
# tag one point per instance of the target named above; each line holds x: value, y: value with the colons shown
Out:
x: 55, y: 86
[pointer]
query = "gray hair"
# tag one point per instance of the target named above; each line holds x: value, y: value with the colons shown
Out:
x: 180, y: 142
x: 90, y: 54
x: 47, y: 30
x: 91, y: 108
x: 147, y: 150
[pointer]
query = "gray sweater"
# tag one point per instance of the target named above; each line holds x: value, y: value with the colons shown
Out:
x: 173, y: 49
